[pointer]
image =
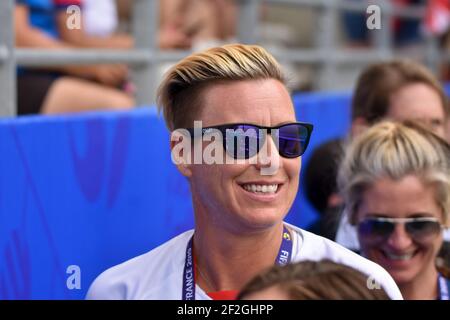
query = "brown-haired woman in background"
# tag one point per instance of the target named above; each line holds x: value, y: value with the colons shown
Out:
x: 399, y: 90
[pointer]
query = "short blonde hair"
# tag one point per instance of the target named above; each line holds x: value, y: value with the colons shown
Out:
x: 179, y: 92
x: 395, y: 150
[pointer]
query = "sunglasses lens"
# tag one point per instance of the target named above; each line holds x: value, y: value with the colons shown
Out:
x: 242, y: 141
x: 292, y: 140
x: 245, y: 141
x: 371, y: 228
x: 421, y: 229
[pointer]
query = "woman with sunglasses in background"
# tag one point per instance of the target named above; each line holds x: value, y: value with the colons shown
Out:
x: 395, y: 179
x: 235, y: 137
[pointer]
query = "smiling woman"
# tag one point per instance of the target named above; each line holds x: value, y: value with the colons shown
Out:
x: 395, y: 179
x: 239, y: 211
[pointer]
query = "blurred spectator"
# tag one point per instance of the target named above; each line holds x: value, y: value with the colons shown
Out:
x: 100, y: 25
x: 43, y: 24
x: 398, y: 90
x: 208, y: 22
x: 61, y: 89
x: 406, y: 31
x: 311, y: 280
x: 395, y: 179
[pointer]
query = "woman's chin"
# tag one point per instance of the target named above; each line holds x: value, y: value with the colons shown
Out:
x: 401, y: 277
x: 262, y: 218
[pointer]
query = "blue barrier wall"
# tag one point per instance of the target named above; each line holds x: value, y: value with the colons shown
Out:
x: 90, y: 190
x: 96, y: 189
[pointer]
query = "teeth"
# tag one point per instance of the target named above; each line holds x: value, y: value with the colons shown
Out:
x: 405, y: 256
x: 258, y: 188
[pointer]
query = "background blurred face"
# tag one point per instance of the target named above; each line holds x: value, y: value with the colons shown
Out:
x: 420, y: 102
x: 403, y: 257
x: 219, y: 189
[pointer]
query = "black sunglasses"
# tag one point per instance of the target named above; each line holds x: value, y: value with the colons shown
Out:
x: 381, y: 228
x: 243, y: 140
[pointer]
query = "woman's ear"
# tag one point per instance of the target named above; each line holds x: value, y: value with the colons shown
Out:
x: 180, y: 149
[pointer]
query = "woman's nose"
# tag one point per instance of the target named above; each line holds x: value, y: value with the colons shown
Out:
x: 399, y: 239
x: 268, y: 160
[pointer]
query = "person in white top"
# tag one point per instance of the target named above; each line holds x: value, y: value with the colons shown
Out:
x: 395, y: 179
x: 243, y: 164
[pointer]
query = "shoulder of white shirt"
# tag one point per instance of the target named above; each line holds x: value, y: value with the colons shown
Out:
x: 138, y: 277
x: 149, y: 276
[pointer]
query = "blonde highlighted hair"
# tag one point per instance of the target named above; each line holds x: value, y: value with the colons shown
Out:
x: 179, y: 95
x: 395, y: 150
